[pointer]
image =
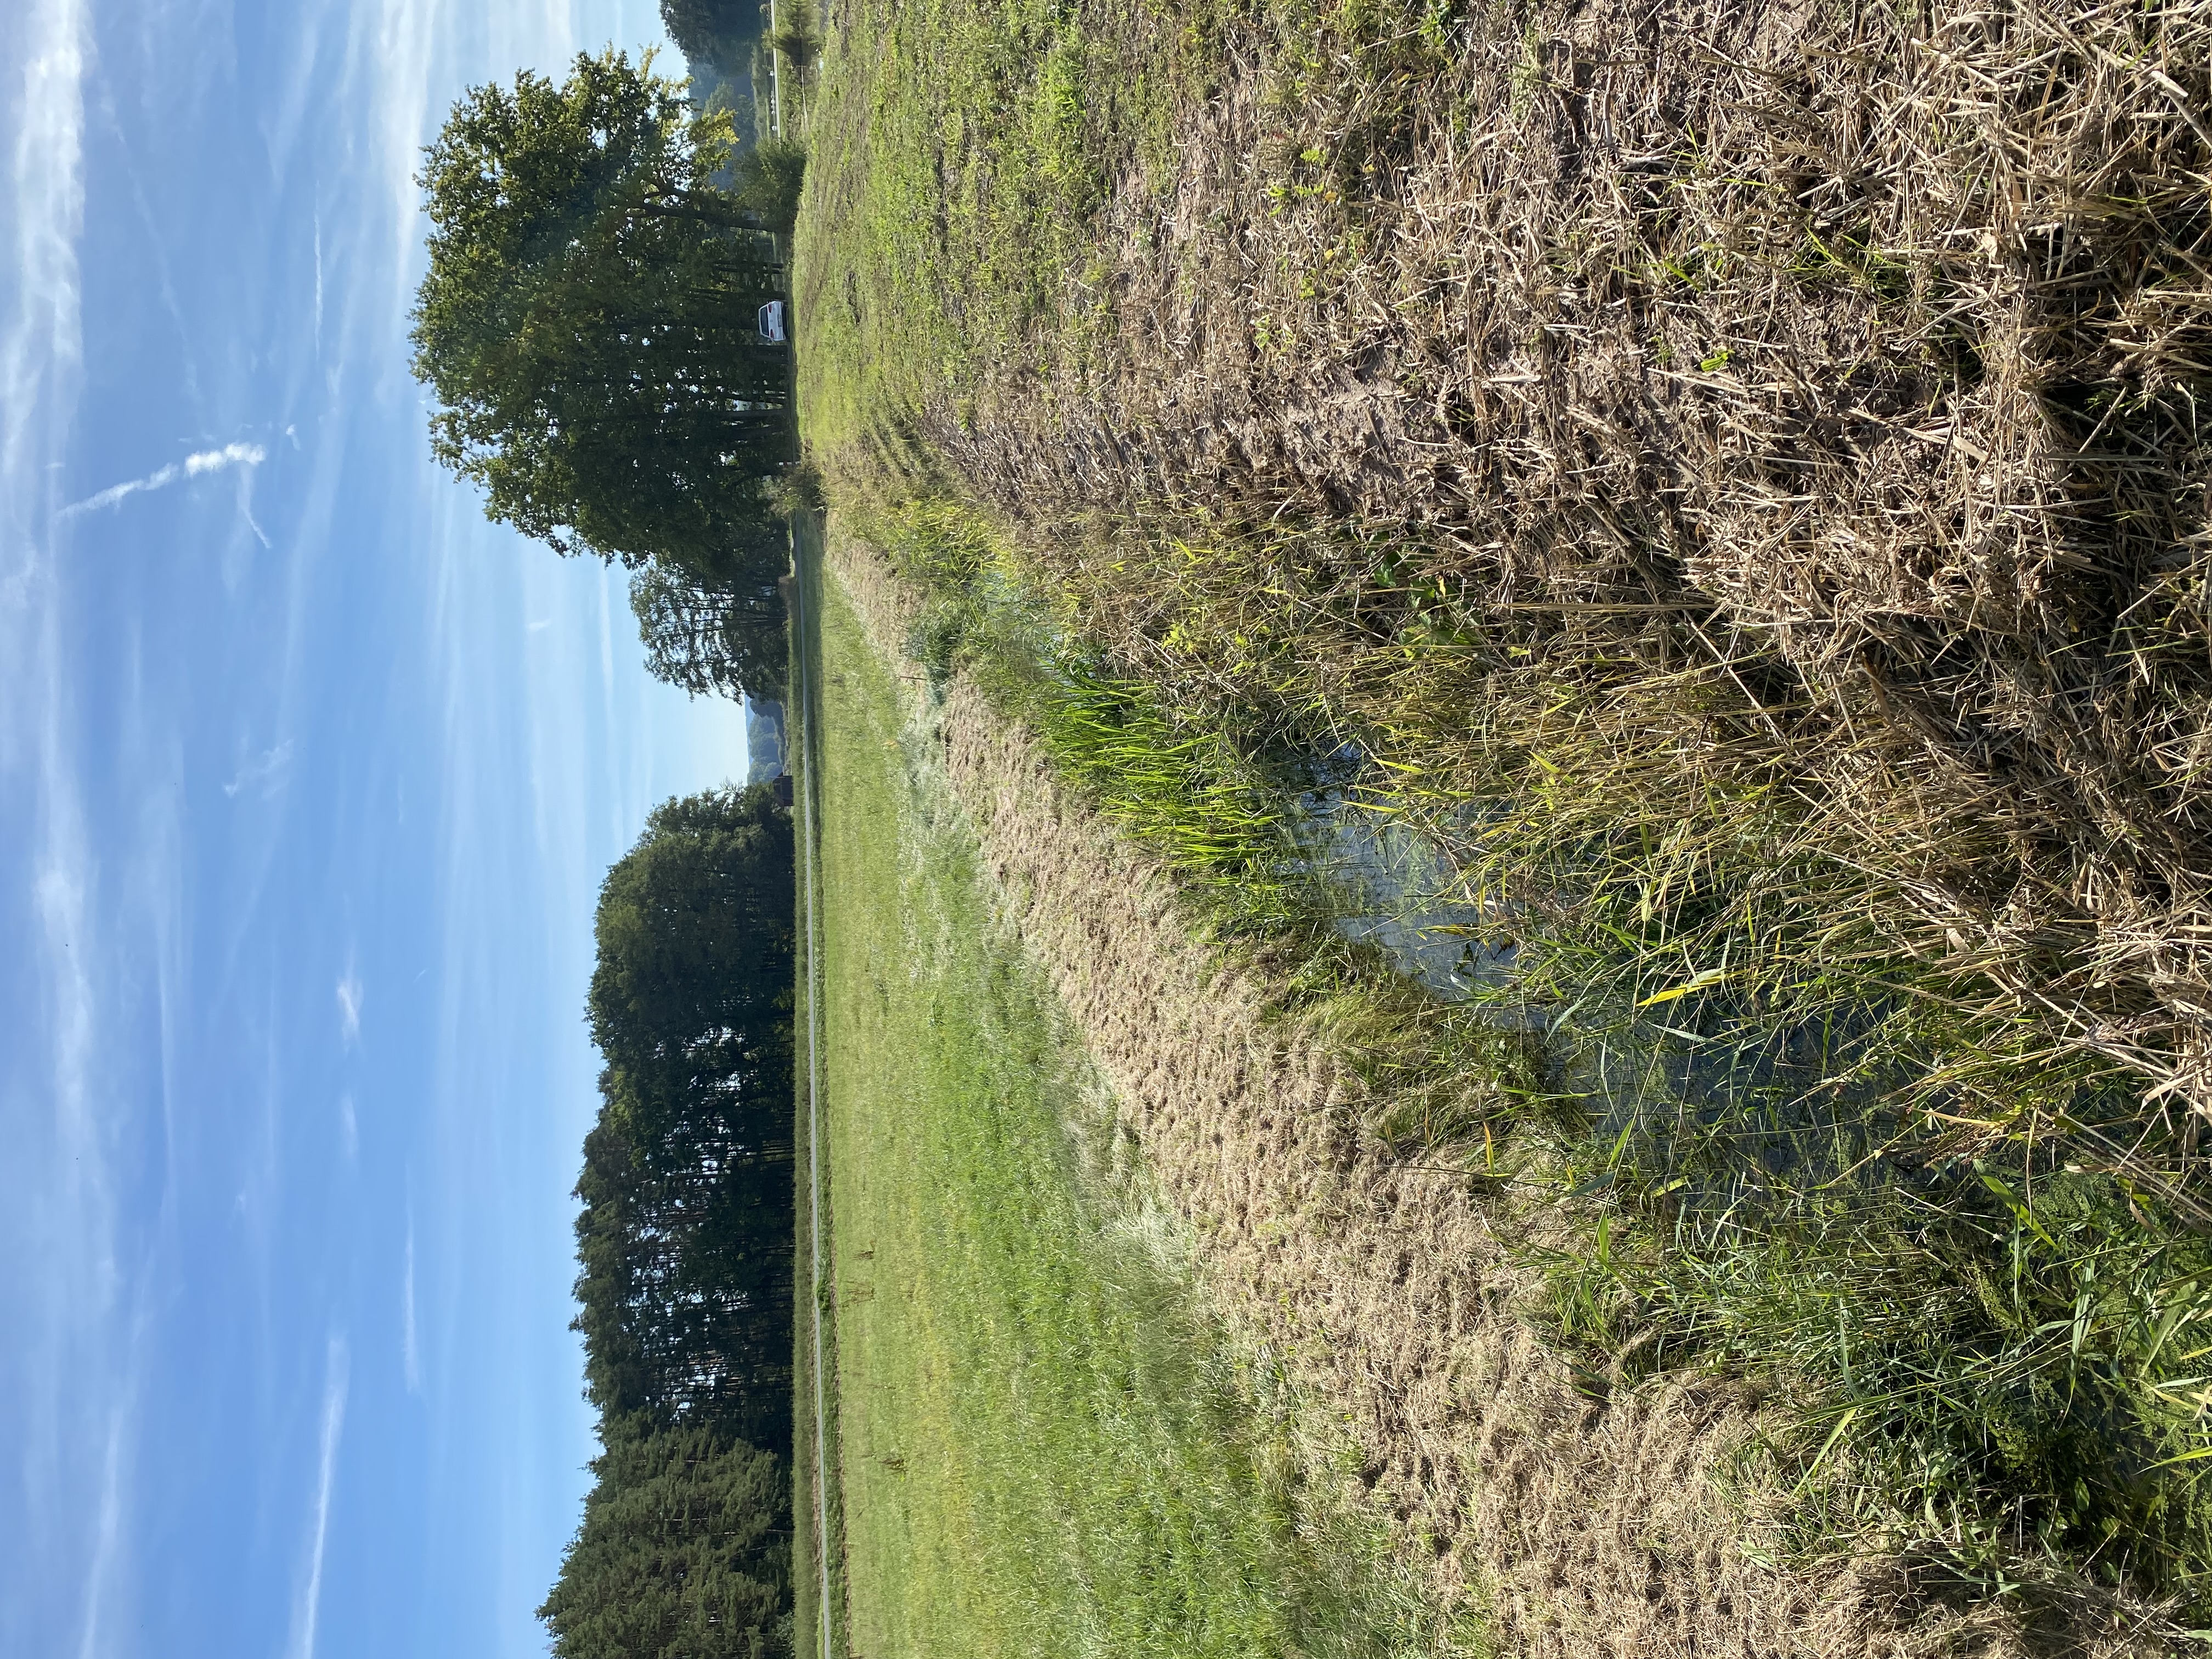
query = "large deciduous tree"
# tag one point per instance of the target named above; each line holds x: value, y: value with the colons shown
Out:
x: 587, y: 321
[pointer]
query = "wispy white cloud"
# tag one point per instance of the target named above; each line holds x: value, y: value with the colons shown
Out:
x: 215, y: 460
x: 263, y: 772
x: 349, y: 1007
x: 410, y: 1356
x: 106, y: 1539
x: 195, y: 465
x: 156, y: 247
x: 43, y: 340
x: 64, y: 1346
x: 396, y: 43
x: 308, y: 1599
x: 348, y: 1128
x: 245, y: 510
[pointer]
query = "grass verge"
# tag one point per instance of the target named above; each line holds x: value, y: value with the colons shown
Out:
x: 1049, y: 1445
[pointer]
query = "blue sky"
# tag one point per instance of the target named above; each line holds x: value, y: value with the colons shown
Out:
x: 307, y: 779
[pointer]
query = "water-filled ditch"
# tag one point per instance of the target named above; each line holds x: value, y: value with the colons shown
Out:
x: 1703, y: 1088
x: 1387, y: 885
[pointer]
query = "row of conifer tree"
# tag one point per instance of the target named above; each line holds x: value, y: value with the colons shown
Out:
x: 685, y: 1245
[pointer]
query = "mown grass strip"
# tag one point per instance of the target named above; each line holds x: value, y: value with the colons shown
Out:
x: 1048, y: 1446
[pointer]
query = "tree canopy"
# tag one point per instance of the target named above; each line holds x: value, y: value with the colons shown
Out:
x: 685, y: 1237
x: 711, y: 637
x: 769, y: 178
x: 695, y: 929
x: 586, y: 320
x: 685, y: 1549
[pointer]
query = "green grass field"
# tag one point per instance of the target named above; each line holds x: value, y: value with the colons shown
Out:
x: 959, y: 155
x: 1045, y: 1445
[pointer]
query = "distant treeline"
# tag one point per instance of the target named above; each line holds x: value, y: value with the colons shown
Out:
x: 685, y: 1242
x: 720, y: 32
x: 599, y: 255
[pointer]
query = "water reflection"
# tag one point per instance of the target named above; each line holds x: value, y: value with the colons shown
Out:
x: 1388, y: 884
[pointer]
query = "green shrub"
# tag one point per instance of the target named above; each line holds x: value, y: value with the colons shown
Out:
x: 769, y: 178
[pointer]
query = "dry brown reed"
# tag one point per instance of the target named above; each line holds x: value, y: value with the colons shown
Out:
x: 1803, y: 398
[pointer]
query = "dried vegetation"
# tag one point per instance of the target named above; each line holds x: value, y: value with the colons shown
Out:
x: 1808, y: 393
x: 1580, y: 1512
x: 1736, y: 470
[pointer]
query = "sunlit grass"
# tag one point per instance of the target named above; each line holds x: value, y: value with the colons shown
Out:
x: 1047, y: 1446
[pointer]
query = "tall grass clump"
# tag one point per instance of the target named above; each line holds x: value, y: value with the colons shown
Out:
x: 1996, y: 1366
x: 1186, y: 789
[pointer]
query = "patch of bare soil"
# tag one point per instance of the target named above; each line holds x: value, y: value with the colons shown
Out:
x: 1583, y: 1516
x: 1868, y: 342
